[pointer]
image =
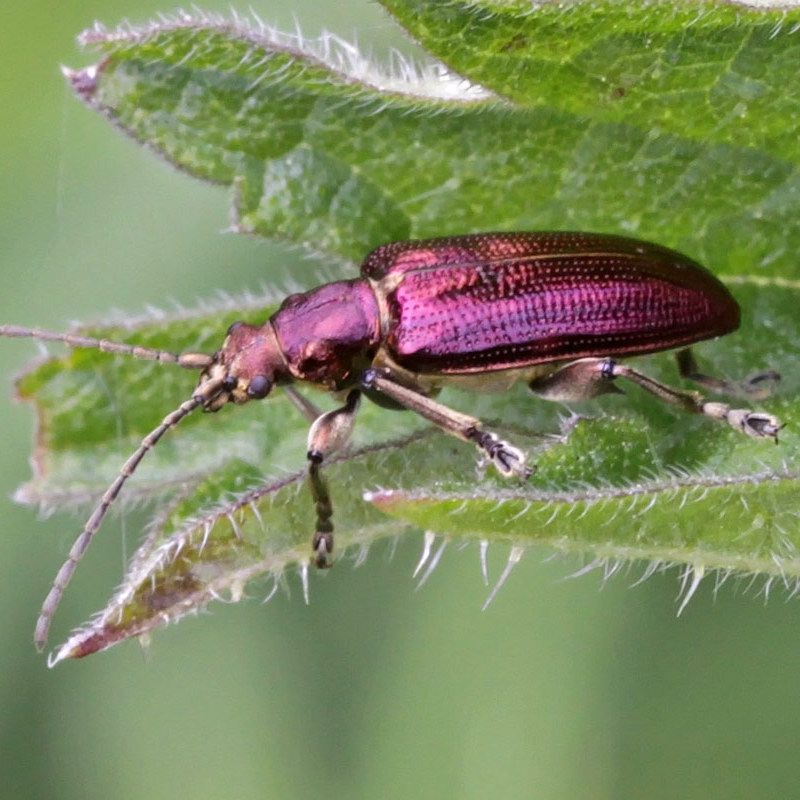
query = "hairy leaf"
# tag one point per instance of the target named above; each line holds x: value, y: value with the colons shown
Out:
x: 325, y: 151
x: 667, y: 121
x: 608, y: 483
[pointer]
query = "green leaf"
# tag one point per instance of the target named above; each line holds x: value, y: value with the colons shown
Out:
x: 326, y: 151
x: 321, y: 149
x: 608, y: 485
x: 711, y: 72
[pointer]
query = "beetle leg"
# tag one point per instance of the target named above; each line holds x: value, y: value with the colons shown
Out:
x: 579, y: 380
x: 329, y: 432
x: 582, y: 379
x: 753, y: 423
x: 308, y: 409
x: 508, y: 460
x: 755, y: 387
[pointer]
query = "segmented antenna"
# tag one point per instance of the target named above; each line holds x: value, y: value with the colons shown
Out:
x: 187, y: 360
x: 205, y: 393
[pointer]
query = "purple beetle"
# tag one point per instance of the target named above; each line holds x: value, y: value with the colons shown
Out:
x: 480, y: 311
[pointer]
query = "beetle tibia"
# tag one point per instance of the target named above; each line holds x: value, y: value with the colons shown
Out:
x: 507, y: 459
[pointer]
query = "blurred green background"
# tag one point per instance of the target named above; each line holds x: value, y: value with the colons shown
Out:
x: 562, y: 689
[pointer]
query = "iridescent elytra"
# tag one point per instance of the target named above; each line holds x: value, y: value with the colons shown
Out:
x: 554, y: 309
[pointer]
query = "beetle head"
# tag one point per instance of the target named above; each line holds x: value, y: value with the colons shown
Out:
x: 247, y: 365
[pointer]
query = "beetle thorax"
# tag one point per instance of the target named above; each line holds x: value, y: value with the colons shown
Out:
x: 330, y: 334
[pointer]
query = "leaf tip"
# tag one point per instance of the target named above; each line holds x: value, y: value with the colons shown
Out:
x: 24, y: 495
x: 85, y: 642
x: 82, y: 81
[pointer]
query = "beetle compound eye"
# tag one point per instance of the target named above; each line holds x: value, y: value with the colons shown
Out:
x: 259, y: 387
x: 229, y: 383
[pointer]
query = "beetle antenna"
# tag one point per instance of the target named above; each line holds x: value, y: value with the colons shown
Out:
x: 187, y: 360
x: 79, y: 547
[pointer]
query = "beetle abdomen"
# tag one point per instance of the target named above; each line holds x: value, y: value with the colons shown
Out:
x: 502, y: 301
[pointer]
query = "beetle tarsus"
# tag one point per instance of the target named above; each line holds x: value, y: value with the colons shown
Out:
x: 322, y: 541
x: 756, y: 424
x: 507, y: 459
x: 322, y: 545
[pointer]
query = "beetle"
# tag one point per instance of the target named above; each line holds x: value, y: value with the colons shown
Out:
x: 482, y: 311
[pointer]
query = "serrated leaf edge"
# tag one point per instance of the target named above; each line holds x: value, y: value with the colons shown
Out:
x: 423, y: 80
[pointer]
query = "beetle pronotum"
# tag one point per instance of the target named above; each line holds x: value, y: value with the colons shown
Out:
x: 552, y: 309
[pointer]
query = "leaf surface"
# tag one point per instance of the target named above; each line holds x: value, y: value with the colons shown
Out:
x: 666, y: 121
